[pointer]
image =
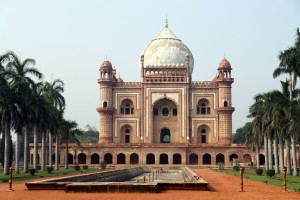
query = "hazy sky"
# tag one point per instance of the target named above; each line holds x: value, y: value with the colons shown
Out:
x: 70, y: 39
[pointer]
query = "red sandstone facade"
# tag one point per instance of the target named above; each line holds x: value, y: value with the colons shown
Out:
x: 167, y: 118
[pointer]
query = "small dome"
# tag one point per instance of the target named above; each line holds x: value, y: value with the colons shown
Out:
x: 224, y: 64
x: 167, y: 50
x: 106, y: 65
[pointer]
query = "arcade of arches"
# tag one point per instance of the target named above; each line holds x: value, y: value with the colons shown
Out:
x: 154, y: 158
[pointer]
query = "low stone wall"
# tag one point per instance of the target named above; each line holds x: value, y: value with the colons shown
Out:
x: 105, y: 176
x: 189, y: 175
x: 111, y: 181
x: 113, y: 187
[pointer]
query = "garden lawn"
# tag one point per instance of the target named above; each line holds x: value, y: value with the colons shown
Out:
x: 40, y: 174
x: 293, y: 182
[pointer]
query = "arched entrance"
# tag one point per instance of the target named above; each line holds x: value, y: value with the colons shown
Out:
x: 165, y: 112
x: 193, y: 159
x: 233, y: 156
x: 176, y: 158
x: 126, y: 134
x: 108, y: 158
x: 121, y: 158
x: 81, y: 158
x: 203, y: 134
x: 134, y: 158
x: 220, y: 158
x: 70, y: 158
x: 261, y: 159
x: 206, y: 159
x: 150, y: 159
x: 165, y: 136
x: 95, y: 158
x: 247, y: 158
x: 163, y: 159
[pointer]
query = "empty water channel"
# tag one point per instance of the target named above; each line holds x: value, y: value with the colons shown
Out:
x: 137, y: 179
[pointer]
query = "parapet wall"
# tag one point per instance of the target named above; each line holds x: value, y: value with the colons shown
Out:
x: 105, y: 176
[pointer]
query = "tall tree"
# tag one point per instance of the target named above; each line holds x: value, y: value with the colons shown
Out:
x: 69, y: 131
x: 20, y: 73
x: 290, y: 64
x: 53, y: 93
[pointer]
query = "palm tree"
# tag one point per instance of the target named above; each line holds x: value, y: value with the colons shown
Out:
x: 69, y: 131
x: 253, y: 137
x: 53, y: 93
x: 58, y: 135
x: 9, y: 111
x: 257, y: 138
x: 40, y: 120
x: 290, y: 64
x: 277, y: 114
x: 258, y: 110
x: 4, y: 88
x: 18, y: 72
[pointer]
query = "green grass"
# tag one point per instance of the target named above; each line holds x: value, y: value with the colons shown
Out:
x: 40, y: 174
x: 293, y: 182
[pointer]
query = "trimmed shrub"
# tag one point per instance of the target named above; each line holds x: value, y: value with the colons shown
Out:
x: 221, y: 165
x: 270, y: 172
x: 85, y: 167
x: 32, y: 171
x: 236, y: 168
x: 103, y: 165
x: 76, y: 167
x: 259, y: 171
x: 49, y: 169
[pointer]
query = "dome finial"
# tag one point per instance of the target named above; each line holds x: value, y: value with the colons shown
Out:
x: 166, y: 21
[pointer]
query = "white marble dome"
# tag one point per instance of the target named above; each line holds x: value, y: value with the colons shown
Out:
x: 167, y: 50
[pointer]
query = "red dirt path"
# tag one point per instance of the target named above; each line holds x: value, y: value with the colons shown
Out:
x: 225, y: 187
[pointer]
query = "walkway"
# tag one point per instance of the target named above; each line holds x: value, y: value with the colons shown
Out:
x: 225, y: 187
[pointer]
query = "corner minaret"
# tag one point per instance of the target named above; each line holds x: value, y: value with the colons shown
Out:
x: 225, y: 108
x: 106, y: 109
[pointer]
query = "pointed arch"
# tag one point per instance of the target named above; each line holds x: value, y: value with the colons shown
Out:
x: 165, y: 97
x: 95, y: 158
x: 206, y: 159
x: 220, y: 158
x: 121, y: 158
x: 193, y: 159
x: 108, y: 158
x: 150, y: 158
x: 81, y: 158
x: 134, y: 158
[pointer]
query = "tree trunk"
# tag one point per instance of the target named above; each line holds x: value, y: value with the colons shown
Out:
x: 56, y: 152
x: 66, y: 157
x: 276, y: 153
x: 7, y: 148
x: 294, y: 156
x: 17, y: 155
x: 50, y: 149
x: 43, y: 167
x: 270, y: 156
x: 26, y: 149
x: 35, y: 148
x: 266, y: 152
x: 288, y: 157
x: 257, y: 157
x: 281, y: 154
